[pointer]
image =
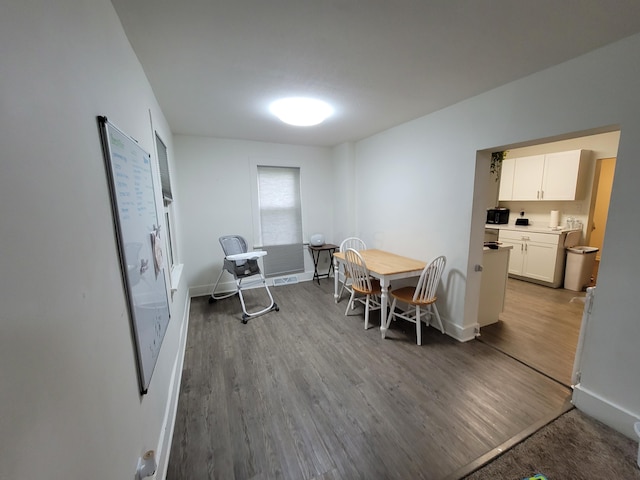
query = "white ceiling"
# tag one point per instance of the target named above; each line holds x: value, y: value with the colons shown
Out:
x: 215, y: 65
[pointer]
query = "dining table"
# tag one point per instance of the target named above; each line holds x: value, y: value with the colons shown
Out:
x: 386, y: 267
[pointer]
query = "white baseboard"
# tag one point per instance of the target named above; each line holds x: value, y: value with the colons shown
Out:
x: 230, y: 285
x: 605, y: 411
x: 462, y: 334
x: 164, y: 442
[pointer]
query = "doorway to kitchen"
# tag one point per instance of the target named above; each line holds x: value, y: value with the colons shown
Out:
x: 540, y: 325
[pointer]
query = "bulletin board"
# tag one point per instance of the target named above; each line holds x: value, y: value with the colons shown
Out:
x: 140, y: 243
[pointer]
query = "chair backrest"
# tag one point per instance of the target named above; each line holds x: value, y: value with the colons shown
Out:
x: 429, y: 279
x: 358, y: 271
x: 233, y: 244
x: 352, y: 242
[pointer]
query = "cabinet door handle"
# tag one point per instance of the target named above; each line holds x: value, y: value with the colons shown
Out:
x: 541, y: 194
x: 538, y: 194
x: 522, y: 247
x: 526, y: 246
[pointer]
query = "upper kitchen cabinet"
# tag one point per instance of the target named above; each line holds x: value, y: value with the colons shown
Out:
x: 554, y: 176
x: 506, y: 179
x: 527, y: 177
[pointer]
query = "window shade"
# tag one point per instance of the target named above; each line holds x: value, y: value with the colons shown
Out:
x: 279, y: 200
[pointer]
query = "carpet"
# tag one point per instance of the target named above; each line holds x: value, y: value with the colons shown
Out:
x: 574, y: 446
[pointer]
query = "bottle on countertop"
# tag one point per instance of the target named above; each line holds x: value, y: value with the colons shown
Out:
x: 574, y: 224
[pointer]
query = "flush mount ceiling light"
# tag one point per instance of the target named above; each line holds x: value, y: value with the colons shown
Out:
x: 301, y: 112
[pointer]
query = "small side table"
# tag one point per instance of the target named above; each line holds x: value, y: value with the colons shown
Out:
x: 315, y: 254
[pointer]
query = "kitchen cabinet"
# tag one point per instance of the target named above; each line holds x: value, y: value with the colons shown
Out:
x: 537, y: 257
x: 553, y: 176
x: 527, y: 178
x: 506, y: 179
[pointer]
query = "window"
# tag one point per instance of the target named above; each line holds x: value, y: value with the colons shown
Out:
x: 163, y: 167
x: 167, y: 197
x: 280, y: 219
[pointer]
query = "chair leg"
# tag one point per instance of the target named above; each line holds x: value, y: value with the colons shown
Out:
x: 366, y: 314
x: 219, y: 296
x: 392, y: 312
x: 350, y: 303
x: 343, y: 288
x: 244, y: 307
x: 434, y: 309
x: 344, y: 285
x: 418, y: 326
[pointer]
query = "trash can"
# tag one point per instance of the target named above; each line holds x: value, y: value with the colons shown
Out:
x: 580, y: 263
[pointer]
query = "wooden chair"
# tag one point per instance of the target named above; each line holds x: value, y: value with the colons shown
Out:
x: 362, y: 284
x: 421, y: 299
x: 356, y: 244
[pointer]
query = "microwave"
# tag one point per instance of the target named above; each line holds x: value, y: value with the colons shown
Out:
x: 498, y: 216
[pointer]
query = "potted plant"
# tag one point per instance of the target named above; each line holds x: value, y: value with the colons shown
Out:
x: 496, y: 163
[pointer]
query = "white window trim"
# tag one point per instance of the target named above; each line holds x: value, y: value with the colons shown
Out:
x: 168, y: 206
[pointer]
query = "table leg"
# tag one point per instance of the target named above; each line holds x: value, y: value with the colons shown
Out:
x: 384, y: 287
x: 331, y: 269
x: 316, y: 276
x: 335, y: 279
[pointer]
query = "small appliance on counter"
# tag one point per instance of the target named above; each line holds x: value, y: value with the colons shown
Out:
x: 521, y: 221
x: 498, y: 216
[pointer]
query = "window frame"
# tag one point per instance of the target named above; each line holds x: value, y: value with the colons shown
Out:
x: 168, y: 216
x: 278, y: 252
x: 256, y: 162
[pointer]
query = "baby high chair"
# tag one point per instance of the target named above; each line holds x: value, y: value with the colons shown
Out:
x: 242, y: 265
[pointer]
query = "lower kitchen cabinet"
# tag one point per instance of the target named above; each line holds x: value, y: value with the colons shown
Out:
x: 537, y: 257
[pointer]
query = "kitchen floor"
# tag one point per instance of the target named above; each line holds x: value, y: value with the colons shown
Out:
x: 539, y: 327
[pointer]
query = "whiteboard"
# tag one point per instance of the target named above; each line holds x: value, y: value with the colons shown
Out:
x: 139, y: 238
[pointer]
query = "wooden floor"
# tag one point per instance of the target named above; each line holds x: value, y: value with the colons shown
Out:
x: 307, y: 393
x: 539, y: 326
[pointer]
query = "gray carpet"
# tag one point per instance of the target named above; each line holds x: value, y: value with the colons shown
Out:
x: 574, y: 446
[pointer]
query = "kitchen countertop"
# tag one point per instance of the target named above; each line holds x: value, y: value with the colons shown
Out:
x: 497, y: 250
x: 531, y: 228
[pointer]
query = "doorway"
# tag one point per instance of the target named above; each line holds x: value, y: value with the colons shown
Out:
x: 603, y: 181
x: 540, y: 325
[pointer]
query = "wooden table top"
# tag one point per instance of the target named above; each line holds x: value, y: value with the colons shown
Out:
x: 386, y: 263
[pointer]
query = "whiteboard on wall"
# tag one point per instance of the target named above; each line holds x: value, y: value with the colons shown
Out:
x: 139, y: 239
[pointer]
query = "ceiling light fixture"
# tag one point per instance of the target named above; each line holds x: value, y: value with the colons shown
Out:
x: 300, y: 111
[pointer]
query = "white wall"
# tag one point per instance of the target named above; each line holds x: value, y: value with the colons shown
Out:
x: 415, y: 196
x: 69, y: 393
x: 214, y: 177
x: 344, y: 175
